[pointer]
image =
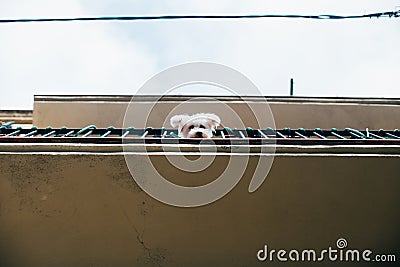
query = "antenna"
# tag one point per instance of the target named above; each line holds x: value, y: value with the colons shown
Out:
x: 291, y: 86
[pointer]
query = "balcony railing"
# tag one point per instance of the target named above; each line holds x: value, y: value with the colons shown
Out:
x: 224, y: 136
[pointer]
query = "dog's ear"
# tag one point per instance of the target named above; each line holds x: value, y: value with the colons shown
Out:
x: 179, y: 120
x: 213, y: 120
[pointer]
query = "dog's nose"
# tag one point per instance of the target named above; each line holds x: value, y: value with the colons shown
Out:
x: 199, y: 134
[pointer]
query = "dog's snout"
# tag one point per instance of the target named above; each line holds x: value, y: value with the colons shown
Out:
x: 199, y: 134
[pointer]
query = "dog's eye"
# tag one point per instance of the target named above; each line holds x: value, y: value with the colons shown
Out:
x: 202, y: 126
x: 191, y: 127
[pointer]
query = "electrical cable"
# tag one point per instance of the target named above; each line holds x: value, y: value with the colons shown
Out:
x: 388, y: 14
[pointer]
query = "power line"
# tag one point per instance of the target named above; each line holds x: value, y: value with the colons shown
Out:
x: 388, y: 14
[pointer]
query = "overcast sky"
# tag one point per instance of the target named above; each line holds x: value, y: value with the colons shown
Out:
x: 325, y: 58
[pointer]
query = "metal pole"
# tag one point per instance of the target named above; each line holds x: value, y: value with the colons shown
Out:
x: 291, y: 87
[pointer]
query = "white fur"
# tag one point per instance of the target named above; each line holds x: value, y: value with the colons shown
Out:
x: 200, y: 125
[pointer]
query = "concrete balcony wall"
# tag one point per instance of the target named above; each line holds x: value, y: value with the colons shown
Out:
x: 78, y: 205
x: 21, y: 118
x: 81, y: 207
x: 103, y: 111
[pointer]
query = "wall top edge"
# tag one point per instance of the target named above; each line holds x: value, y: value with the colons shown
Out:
x: 173, y: 98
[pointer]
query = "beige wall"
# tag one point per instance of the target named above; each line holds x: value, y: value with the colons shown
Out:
x: 77, y: 112
x: 77, y: 204
x: 21, y: 118
x: 66, y: 209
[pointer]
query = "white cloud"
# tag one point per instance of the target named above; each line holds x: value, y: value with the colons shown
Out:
x: 65, y: 58
x: 332, y: 58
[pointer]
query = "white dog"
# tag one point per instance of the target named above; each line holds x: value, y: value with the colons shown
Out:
x: 200, y: 125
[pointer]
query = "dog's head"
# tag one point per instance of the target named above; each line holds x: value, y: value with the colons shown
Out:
x: 200, y: 125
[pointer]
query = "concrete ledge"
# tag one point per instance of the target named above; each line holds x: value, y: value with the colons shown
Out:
x: 179, y: 98
x: 195, y: 149
x: 18, y: 116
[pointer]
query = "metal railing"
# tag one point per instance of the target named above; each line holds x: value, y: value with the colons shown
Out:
x: 224, y: 136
